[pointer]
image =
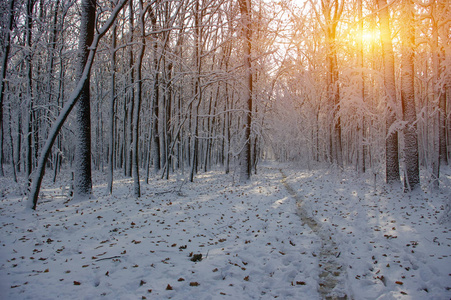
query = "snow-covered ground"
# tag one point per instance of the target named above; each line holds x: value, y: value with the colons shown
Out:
x: 394, y: 245
x: 252, y: 242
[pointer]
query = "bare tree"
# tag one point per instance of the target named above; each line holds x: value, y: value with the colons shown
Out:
x: 74, y: 97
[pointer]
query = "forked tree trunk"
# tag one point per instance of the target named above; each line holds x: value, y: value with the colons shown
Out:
x: 74, y: 97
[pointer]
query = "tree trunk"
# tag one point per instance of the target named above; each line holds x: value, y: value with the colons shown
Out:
x: 3, y: 77
x: 197, y: 90
x: 28, y: 33
x: 112, y: 110
x: 227, y: 125
x: 246, y: 167
x: 13, y: 161
x: 53, y: 41
x: 136, y: 114
x: 167, y: 123
x: 361, y: 125
x: 443, y: 145
x: 436, y: 119
x: 408, y: 98
x: 155, y: 127
x: 155, y: 144
x: 439, y: 93
x: 128, y: 162
x: 83, y: 180
x: 19, y: 141
x: 391, y: 139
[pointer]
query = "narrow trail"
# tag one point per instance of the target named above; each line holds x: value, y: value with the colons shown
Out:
x: 331, y: 269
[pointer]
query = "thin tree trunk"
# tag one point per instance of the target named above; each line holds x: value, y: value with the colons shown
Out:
x: 131, y: 98
x: 29, y: 153
x: 227, y: 125
x: 197, y: 91
x: 19, y: 141
x: 155, y: 98
x: 246, y: 167
x: 13, y: 161
x: 168, y: 108
x: 136, y: 114
x: 112, y: 109
x: 439, y: 92
x: 436, y: 118
x: 361, y: 125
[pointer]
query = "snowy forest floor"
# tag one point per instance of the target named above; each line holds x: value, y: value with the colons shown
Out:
x: 219, y: 239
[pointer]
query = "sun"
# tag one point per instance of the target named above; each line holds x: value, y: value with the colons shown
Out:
x: 369, y: 37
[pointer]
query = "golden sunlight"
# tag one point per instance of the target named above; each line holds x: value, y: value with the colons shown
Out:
x: 369, y: 37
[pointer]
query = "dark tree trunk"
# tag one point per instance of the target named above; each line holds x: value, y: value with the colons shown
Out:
x: 155, y: 146
x: 112, y: 110
x: 3, y: 77
x: 194, y: 145
x: 136, y: 115
x: 245, y: 9
x: 29, y: 151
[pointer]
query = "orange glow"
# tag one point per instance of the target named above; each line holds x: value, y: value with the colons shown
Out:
x: 369, y: 37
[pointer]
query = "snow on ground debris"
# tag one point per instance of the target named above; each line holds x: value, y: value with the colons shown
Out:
x: 393, y: 243
x: 217, y: 239
x: 252, y: 243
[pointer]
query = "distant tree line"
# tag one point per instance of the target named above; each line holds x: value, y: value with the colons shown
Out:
x: 165, y: 86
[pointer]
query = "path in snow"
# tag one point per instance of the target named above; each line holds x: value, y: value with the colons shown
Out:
x: 331, y: 269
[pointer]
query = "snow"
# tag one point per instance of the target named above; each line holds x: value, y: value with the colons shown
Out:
x: 254, y: 245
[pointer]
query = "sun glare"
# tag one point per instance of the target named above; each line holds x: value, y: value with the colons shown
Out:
x: 368, y: 37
